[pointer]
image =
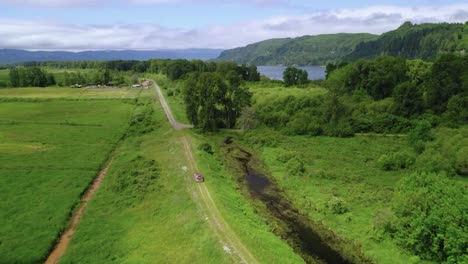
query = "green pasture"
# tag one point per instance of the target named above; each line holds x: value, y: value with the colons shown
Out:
x: 50, y: 152
x: 68, y: 93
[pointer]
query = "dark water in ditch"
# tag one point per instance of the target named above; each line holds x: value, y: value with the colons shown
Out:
x: 299, y: 232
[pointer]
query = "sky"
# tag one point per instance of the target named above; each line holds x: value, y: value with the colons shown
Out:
x: 77, y: 25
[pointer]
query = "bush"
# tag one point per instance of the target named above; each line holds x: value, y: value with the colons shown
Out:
x: 135, y: 180
x: 433, y: 161
x: 206, y: 148
x: 421, y: 132
x: 337, y: 205
x: 264, y: 137
x: 396, y: 161
x: 323, y: 174
x: 286, y: 156
x: 295, y: 166
x: 430, y: 212
x: 170, y: 93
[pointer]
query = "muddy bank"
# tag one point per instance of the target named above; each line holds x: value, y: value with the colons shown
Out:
x: 309, y: 240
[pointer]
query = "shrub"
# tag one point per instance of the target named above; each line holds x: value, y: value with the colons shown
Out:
x: 286, y: 156
x: 206, y: 148
x: 421, y: 132
x: 323, y: 174
x: 295, y: 166
x: 396, y: 161
x: 430, y: 212
x: 337, y: 205
x: 433, y: 161
x: 264, y: 137
x: 384, y: 221
x: 135, y: 180
x: 170, y: 93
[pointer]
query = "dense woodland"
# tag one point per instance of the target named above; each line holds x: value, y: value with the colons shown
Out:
x: 423, y: 41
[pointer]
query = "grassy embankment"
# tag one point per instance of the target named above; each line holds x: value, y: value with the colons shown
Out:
x: 146, y: 221
x: 51, y: 151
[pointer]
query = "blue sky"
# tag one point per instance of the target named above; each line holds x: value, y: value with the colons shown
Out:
x: 158, y: 24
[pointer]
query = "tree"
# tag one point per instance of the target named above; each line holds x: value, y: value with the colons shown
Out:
x: 247, y: 119
x: 293, y: 76
x: 289, y: 76
x: 408, y: 99
x: 212, y: 101
x: 253, y: 74
x: 14, y: 77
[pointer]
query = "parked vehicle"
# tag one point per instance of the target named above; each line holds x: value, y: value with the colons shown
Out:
x: 199, y: 177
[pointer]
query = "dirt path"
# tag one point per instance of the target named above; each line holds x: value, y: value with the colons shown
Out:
x: 168, y: 111
x: 64, y: 240
x: 228, y: 238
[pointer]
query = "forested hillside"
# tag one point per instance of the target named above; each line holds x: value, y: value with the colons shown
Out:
x: 306, y: 50
x: 424, y: 41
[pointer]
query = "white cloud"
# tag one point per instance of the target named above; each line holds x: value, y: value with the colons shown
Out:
x: 46, y: 35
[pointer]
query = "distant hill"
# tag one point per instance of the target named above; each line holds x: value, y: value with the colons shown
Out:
x: 306, y: 50
x: 424, y: 41
x: 8, y: 56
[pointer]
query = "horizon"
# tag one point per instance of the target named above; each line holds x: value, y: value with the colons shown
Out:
x: 149, y: 25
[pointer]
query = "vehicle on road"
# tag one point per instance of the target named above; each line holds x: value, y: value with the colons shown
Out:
x: 199, y: 177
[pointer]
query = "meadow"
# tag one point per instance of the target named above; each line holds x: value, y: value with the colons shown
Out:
x: 67, y: 93
x: 50, y: 152
x: 274, y: 90
x: 342, y: 186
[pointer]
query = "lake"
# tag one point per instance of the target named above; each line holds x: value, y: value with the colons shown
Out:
x: 276, y: 72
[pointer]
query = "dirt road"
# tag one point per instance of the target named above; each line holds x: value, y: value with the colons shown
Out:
x: 167, y: 110
x: 64, y: 240
x: 228, y: 238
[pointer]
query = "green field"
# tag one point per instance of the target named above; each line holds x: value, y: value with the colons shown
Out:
x: 163, y: 226
x: 68, y: 93
x: 345, y: 168
x: 266, y: 92
x: 51, y: 151
x: 169, y: 225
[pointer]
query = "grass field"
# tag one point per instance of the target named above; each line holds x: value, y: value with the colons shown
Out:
x: 165, y: 226
x: 344, y: 168
x: 263, y: 92
x: 73, y: 93
x: 50, y: 152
